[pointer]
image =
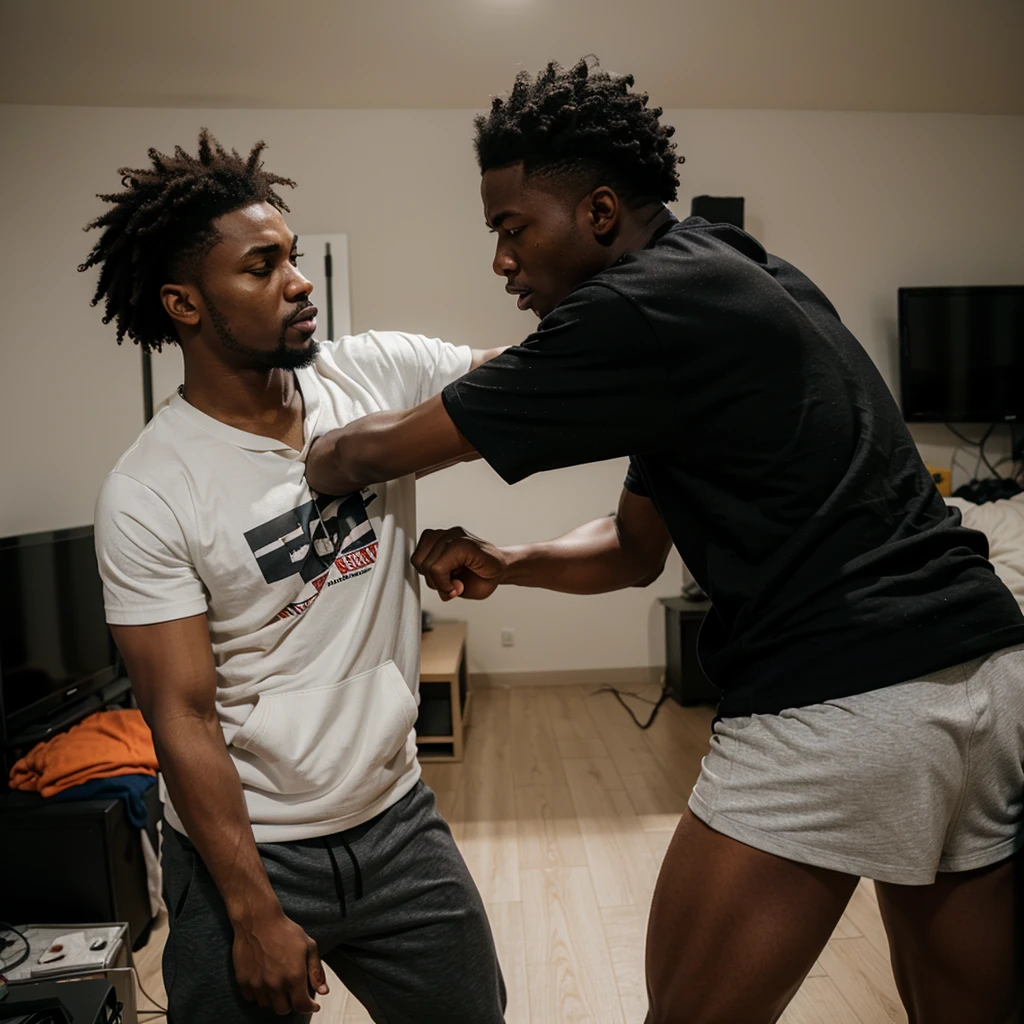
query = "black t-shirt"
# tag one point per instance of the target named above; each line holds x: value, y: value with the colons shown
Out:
x: 773, y: 451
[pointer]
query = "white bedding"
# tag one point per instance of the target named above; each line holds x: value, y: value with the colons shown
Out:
x: 1003, y: 523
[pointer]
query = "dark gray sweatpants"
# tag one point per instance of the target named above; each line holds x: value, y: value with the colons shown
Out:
x: 392, y: 908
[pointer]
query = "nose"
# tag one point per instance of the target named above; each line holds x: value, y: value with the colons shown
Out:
x: 504, y: 264
x: 297, y: 285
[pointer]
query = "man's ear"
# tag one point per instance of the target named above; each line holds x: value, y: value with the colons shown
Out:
x: 180, y: 303
x: 603, y: 215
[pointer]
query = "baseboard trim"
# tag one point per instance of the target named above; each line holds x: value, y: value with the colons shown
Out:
x: 641, y: 675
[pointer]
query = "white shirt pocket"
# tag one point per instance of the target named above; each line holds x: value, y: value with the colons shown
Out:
x: 312, y: 743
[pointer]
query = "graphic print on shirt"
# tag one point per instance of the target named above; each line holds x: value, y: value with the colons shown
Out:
x: 324, y: 537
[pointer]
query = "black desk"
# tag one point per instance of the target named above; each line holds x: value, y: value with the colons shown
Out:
x: 684, y: 677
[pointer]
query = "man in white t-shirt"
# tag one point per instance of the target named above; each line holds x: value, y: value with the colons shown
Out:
x: 272, y: 633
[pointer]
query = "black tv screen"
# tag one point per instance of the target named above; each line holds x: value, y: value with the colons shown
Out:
x: 54, y: 642
x: 962, y: 354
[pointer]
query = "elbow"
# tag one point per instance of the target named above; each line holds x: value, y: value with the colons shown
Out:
x: 646, y: 581
x: 357, y: 464
x: 176, y: 732
x: 653, y: 573
x: 184, y: 721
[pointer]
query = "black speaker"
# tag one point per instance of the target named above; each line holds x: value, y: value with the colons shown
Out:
x: 718, y: 209
x: 79, y: 862
x: 684, y: 676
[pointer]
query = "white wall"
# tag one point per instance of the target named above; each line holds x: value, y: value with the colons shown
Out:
x: 863, y: 203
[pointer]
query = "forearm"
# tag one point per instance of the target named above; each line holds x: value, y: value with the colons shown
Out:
x: 207, y: 795
x: 385, y: 446
x: 588, y: 560
x: 358, y: 455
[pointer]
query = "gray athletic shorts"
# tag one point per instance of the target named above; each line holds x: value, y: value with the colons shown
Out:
x: 895, y: 784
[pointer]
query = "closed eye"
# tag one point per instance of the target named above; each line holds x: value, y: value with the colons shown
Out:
x: 266, y: 269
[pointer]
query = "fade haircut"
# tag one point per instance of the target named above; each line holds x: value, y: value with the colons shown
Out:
x: 582, y: 122
x: 160, y: 229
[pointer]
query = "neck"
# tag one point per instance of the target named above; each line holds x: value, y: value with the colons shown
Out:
x: 256, y: 399
x: 639, y: 227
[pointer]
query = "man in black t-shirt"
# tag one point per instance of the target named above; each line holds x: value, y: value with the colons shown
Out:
x: 873, y: 685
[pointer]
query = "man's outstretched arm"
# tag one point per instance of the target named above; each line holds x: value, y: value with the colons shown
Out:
x: 385, y: 446
x: 625, y: 550
x: 388, y: 445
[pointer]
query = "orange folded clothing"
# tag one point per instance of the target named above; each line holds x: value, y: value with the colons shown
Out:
x: 105, y: 744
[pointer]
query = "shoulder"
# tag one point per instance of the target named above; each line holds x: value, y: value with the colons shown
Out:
x: 372, y: 357
x: 399, y: 368
x: 372, y: 349
x: 144, y: 484
x: 126, y: 503
x: 596, y: 323
x: 158, y: 445
x: 690, y: 254
x: 601, y: 304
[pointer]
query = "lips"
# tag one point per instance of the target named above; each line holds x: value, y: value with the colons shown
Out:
x: 524, y: 295
x: 305, y: 320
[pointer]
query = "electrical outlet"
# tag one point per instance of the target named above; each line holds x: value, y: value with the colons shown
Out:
x: 508, y: 638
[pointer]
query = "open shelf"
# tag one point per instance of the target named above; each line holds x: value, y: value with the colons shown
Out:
x: 444, y: 693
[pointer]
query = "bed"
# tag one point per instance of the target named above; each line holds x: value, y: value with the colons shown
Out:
x: 1002, y: 522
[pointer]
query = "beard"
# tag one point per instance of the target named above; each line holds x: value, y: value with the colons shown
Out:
x: 281, y: 357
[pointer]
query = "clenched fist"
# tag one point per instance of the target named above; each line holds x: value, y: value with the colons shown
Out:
x: 457, y: 564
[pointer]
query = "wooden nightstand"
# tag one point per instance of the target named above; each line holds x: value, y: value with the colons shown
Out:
x: 444, y: 693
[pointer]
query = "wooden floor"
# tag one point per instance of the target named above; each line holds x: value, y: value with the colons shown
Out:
x: 563, y: 809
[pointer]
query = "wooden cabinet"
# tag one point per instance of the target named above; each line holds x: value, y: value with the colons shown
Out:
x: 444, y: 693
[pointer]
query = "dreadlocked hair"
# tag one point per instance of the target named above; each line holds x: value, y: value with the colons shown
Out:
x: 160, y: 225
x: 581, y: 121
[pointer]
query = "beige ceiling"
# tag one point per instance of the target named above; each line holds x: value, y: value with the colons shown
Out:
x: 894, y: 55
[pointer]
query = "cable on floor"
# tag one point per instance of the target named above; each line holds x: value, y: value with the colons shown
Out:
x: 618, y: 694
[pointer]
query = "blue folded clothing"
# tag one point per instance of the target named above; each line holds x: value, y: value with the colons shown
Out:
x: 131, y: 788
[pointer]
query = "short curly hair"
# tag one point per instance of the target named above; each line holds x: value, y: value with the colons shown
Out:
x: 581, y: 120
x: 160, y: 227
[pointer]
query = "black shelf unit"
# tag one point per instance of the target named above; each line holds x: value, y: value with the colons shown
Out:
x: 684, y: 677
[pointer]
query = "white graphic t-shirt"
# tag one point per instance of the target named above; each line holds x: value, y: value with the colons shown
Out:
x: 312, y: 604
